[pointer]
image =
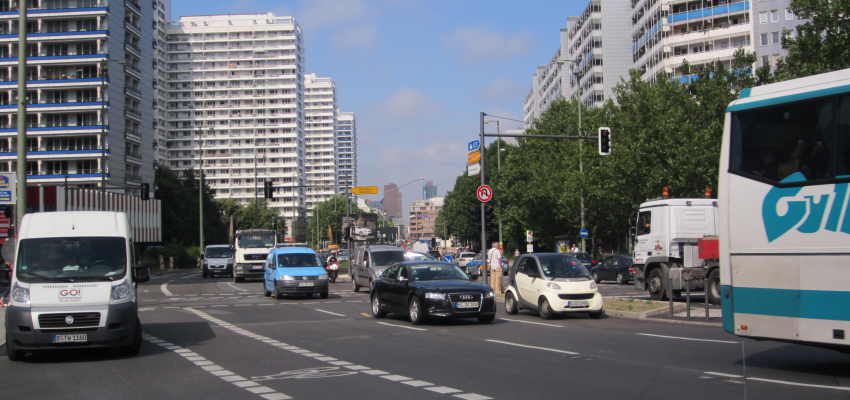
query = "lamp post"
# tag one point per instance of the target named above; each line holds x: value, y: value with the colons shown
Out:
x: 201, y: 183
x: 21, y: 201
x: 256, y: 201
x: 580, y: 147
x: 499, y: 160
x: 103, y: 70
x: 393, y: 190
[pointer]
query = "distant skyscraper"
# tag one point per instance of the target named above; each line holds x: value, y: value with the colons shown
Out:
x: 429, y: 190
x: 392, y: 200
x: 376, y: 204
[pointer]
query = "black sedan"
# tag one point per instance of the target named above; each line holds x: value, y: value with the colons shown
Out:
x: 618, y: 267
x: 431, y: 289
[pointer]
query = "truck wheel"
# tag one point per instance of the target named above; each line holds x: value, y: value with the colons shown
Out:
x: 713, y: 287
x: 655, y: 285
x: 133, y: 348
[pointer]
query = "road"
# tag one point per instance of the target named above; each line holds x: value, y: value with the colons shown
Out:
x: 211, y: 339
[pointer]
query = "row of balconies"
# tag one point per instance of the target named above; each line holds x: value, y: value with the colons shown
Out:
x: 247, y: 36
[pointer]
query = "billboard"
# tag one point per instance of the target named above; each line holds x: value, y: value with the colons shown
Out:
x: 364, y: 227
x: 7, y: 188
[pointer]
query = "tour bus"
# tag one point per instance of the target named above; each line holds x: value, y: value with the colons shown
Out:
x: 784, y: 220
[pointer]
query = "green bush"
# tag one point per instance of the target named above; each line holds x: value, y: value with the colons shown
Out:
x: 182, y: 256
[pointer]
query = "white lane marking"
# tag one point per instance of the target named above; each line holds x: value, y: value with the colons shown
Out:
x: 218, y: 371
x: 347, y: 365
x: 329, y: 302
x: 405, y: 327
x: 231, y: 285
x: 530, y: 322
x: 219, y: 305
x: 312, y: 302
x: 188, y: 276
x: 164, y: 288
x: 331, y: 313
x: 532, y: 347
x: 723, y: 375
x: 684, y: 338
x: 418, y: 383
x: 267, y: 304
x: 396, y: 378
x: 799, y: 384
x: 358, y: 301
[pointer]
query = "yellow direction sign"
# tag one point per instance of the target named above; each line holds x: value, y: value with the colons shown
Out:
x: 364, y: 190
x: 473, y: 157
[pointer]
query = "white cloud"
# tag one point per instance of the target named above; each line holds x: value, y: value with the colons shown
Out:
x: 320, y: 13
x: 362, y: 37
x: 404, y: 109
x: 480, y: 44
x: 501, y: 90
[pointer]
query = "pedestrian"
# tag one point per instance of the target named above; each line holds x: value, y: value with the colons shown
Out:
x: 494, y: 258
x: 575, y: 249
x: 516, y: 253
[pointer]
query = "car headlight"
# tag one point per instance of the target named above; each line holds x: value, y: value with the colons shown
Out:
x: 121, y: 292
x: 592, y: 285
x: 553, y: 286
x: 489, y: 294
x: 435, y: 296
x: 290, y: 278
x: 323, y: 277
x: 20, y: 294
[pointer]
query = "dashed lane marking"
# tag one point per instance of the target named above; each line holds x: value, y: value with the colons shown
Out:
x: 231, y: 285
x: 532, y: 347
x: 847, y: 388
x: 331, y: 313
x: 684, y: 338
x: 365, y: 315
x: 530, y: 322
x: 402, y: 326
x: 723, y: 375
x: 164, y: 288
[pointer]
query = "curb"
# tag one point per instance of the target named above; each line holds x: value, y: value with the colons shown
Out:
x: 2, y: 326
x: 645, y: 314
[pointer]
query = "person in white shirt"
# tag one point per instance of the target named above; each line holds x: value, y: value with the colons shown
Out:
x: 575, y: 249
x: 494, y: 259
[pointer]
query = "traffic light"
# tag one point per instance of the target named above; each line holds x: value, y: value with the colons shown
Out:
x: 433, y: 243
x: 267, y: 189
x: 474, y: 214
x: 605, y: 141
x: 146, y: 191
x: 488, y: 217
x: 346, y: 233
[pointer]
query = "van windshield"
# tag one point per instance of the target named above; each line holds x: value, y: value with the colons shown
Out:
x: 72, y: 259
x: 218, y: 252
x: 387, y: 257
x: 298, y: 260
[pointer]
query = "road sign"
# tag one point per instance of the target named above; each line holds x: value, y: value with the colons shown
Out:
x: 529, y: 236
x: 8, y: 188
x: 473, y: 145
x: 473, y: 157
x: 448, y: 259
x: 584, y: 233
x: 364, y: 190
x: 473, y: 169
x: 484, y: 193
x: 530, y: 248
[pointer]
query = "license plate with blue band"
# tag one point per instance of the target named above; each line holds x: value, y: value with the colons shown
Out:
x: 70, y: 338
x: 577, y: 303
x: 301, y: 284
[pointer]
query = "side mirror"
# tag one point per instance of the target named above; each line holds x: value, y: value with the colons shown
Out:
x: 142, y: 272
x: 532, y: 275
x: 5, y: 275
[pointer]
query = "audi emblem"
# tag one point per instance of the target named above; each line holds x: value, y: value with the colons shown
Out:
x: 466, y: 297
x: 69, y: 320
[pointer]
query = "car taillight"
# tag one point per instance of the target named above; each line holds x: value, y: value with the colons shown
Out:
x: 632, y: 269
x: 592, y: 262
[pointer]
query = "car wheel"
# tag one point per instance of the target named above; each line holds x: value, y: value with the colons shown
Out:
x: 544, y: 309
x: 510, y: 304
x: 323, y: 295
x: 596, y: 277
x: 595, y: 314
x: 238, y: 279
x: 377, y: 312
x: 266, y: 293
x: 713, y: 289
x: 486, y: 319
x: 622, y: 279
x: 417, y: 316
x: 354, y: 286
x: 11, y: 352
x: 276, y: 293
x: 655, y: 284
x: 133, y: 348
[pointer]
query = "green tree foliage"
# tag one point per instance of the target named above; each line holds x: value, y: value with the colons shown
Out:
x: 257, y: 215
x: 180, y: 216
x: 329, y: 213
x: 820, y: 44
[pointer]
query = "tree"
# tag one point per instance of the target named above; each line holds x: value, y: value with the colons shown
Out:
x: 328, y: 213
x: 819, y: 44
x: 180, y: 217
x: 258, y: 215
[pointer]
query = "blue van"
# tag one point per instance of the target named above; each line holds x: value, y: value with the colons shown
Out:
x: 294, y: 270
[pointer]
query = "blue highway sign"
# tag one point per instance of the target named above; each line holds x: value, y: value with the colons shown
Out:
x: 473, y: 145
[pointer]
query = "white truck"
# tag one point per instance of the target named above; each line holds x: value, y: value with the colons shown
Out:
x: 250, y: 249
x: 675, y: 244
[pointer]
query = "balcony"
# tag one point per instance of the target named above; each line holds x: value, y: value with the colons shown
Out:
x: 133, y: 177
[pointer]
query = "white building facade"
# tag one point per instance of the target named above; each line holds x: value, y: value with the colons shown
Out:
x: 347, y: 150
x: 321, y: 147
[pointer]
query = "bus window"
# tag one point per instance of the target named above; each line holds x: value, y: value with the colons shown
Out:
x: 843, y: 164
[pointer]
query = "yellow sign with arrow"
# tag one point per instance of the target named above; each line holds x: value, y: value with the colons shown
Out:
x: 361, y: 190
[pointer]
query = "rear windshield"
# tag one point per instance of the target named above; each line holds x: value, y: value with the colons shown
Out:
x: 387, y: 257
x: 467, y: 255
x: 72, y: 259
x: 298, y: 260
x: 218, y: 252
x: 582, y: 256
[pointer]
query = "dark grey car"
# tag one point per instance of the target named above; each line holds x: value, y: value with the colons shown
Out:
x: 618, y: 267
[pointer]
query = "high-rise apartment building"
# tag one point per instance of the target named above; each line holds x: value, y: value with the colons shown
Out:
x: 237, y: 81
x: 422, y: 216
x: 90, y: 80
x: 321, y: 146
x: 392, y: 200
x: 347, y: 150
x: 770, y: 17
x: 429, y: 190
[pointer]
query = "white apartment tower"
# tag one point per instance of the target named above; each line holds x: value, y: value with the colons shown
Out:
x: 320, y: 139
x: 347, y: 150
x: 237, y: 82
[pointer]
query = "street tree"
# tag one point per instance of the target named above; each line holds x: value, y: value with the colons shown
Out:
x: 818, y: 45
x: 329, y: 213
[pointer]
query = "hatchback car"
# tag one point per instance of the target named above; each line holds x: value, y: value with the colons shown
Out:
x: 551, y: 283
x: 618, y: 268
x: 463, y: 258
x: 586, y: 260
x: 431, y: 289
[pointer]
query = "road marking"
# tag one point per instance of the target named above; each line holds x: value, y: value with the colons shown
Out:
x: 723, y: 375
x: 267, y: 304
x: 418, y: 383
x: 312, y: 302
x: 472, y: 396
x: 530, y: 322
x: 365, y: 315
x: 329, y: 302
x: 358, y: 301
x: 442, y: 389
x: 219, y: 305
x: 331, y: 313
x: 799, y: 384
x: 531, y: 347
x: 401, y: 326
x: 188, y: 276
x: 684, y: 338
x: 218, y: 371
x: 396, y: 378
x: 164, y: 288
x: 231, y: 285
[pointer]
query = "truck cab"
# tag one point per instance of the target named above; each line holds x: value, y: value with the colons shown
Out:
x: 251, y: 248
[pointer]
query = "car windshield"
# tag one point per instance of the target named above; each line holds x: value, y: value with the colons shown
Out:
x: 562, y: 267
x: 72, y: 259
x: 582, y: 256
x: 256, y: 241
x: 298, y: 260
x: 437, y: 272
x: 218, y: 252
x: 387, y: 257
x: 417, y: 257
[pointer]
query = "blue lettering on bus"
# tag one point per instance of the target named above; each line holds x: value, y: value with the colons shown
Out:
x: 776, y: 225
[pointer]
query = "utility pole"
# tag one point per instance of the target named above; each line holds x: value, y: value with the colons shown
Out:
x: 499, y: 159
x: 581, y: 161
x: 485, y: 272
x: 21, y: 201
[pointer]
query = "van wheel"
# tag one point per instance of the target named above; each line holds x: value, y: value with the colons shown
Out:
x: 354, y: 286
x: 713, y: 287
x: 266, y: 293
x: 276, y: 294
x: 510, y: 304
x: 133, y: 348
x: 11, y: 352
x: 656, y: 285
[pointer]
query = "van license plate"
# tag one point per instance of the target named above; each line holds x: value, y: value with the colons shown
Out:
x: 467, y: 305
x: 70, y: 338
x: 577, y: 303
x: 302, y: 284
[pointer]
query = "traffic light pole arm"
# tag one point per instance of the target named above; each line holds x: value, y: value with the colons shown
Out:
x: 539, y: 136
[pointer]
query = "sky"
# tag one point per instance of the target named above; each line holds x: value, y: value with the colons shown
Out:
x: 417, y: 73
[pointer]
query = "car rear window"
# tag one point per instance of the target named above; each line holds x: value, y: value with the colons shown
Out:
x: 466, y: 255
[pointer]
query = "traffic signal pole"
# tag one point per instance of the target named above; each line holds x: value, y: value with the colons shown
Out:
x: 485, y: 272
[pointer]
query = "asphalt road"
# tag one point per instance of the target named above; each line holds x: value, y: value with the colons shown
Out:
x: 211, y: 339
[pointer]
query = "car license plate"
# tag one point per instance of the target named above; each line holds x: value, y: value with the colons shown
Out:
x: 302, y: 284
x: 70, y: 338
x: 468, y: 304
x: 577, y: 303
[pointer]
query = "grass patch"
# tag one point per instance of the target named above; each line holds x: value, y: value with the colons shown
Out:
x: 630, y: 305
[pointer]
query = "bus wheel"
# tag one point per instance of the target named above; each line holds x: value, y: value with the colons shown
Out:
x: 656, y: 285
x: 713, y: 287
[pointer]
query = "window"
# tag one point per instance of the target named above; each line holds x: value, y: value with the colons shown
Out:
x: 788, y: 14
x: 763, y: 17
x: 774, y: 15
x: 644, y: 223
x: 764, y: 39
x: 775, y: 38
x: 765, y: 60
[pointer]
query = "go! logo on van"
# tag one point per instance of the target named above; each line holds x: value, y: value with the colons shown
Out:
x: 812, y: 208
x: 70, y: 294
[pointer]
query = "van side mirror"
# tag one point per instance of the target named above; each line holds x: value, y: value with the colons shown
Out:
x: 5, y: 275
x: 142, y: 272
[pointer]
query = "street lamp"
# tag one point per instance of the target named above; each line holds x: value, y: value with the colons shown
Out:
x: 499, y: 160
x: 392, y: 190
x: 256, y: 201
x: 580, y: 147
x: 103, y: 68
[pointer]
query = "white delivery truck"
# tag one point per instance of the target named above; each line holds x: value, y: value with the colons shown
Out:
x: 73, y: 284
x: 250, y: 250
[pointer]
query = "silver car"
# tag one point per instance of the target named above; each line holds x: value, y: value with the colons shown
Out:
x: 464, y: 258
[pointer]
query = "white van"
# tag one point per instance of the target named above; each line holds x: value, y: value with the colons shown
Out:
x: 74, y: 284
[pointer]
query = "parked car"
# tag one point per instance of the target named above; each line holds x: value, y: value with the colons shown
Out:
x: 551, y: 283
x: 618, y: 268
x: 586, y: 260
x: 343, y: 255
x: 218, y: 260
x: 431, y: 289
x: 473, y: 267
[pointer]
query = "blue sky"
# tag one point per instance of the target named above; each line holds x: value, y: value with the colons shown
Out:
x: 417, y: 73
